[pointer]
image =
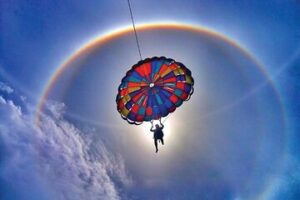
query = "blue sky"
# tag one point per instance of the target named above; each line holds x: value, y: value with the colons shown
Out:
x: 241, y: 139
x: 43, y: 27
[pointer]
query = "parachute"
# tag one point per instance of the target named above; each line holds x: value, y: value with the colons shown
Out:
x: 153, y: 88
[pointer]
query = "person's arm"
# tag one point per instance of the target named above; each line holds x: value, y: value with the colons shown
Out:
x: 162, y: 126
x: 152, y: 130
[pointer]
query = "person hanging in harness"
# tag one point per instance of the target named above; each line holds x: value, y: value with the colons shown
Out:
x: 158, y: 134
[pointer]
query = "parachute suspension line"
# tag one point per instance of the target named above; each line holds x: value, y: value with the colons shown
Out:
x: 135, y: 32
x: 165, y: 119
x: 160, y: 122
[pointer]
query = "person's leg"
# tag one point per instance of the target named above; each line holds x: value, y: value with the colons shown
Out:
x: 155, y: 143
x: 162, y: 141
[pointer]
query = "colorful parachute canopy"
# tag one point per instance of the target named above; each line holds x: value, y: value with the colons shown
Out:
x: 152, y: 89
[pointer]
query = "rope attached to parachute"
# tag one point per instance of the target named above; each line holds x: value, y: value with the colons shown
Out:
x: 160, y: 121
x: 135, y: 32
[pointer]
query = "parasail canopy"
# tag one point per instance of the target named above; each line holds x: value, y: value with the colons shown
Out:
x: 153, y: 88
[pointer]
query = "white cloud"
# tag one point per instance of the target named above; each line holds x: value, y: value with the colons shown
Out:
x: 23, y: 98
x: 55, y: 160
x: 4, y: 87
